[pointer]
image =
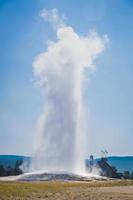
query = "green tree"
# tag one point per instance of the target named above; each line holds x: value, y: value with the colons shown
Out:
x: 9, y: 171
x: 127, y: 175
x: 2, y: 171
x: 17, y: 169
x: 132, y: 175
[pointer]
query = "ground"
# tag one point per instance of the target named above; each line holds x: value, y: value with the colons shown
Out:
x: 94, y: 190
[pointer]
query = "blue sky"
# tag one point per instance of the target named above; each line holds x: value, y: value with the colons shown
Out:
x: 109, y: 96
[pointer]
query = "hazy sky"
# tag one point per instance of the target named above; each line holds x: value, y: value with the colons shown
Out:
x: 109, y: 93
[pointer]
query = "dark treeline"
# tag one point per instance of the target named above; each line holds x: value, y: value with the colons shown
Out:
x: 11, y: 171
x: 126, y: 175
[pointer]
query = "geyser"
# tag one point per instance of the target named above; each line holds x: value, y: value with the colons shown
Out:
x: 60, y: 71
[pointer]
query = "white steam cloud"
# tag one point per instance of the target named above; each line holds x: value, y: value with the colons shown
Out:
x: 60, y: 71
x: 53, y: 17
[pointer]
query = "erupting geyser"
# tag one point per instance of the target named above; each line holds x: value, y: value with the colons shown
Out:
x: 60, y: 71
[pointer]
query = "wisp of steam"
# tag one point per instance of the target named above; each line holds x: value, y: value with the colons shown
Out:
x: 60, y: 72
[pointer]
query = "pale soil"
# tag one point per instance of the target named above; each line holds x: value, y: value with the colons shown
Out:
x: 119, y: 189
x: 116, y: 193
x: 66, y: 191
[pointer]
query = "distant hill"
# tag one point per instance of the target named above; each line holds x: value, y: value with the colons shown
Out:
x: 122, y: 163
x: 10, y: 160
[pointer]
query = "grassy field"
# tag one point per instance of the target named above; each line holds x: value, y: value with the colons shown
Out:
x: 62, y: 190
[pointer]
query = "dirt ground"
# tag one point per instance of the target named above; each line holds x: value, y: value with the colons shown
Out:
x: 116, y: 193
x: 66, y: 191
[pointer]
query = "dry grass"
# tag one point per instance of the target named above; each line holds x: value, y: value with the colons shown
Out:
x: 58, y: 190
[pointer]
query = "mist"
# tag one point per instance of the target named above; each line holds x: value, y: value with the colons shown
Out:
x: 60, y: 71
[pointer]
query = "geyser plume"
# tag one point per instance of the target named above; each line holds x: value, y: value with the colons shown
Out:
x: 60, y: 71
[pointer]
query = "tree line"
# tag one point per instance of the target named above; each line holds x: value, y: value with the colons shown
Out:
x: 11, y: 170
x: 126, y: 175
